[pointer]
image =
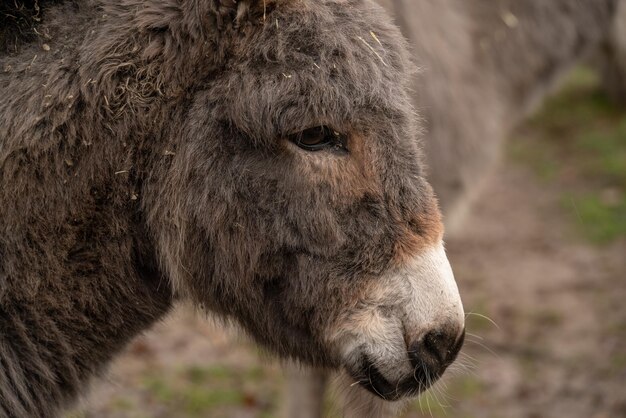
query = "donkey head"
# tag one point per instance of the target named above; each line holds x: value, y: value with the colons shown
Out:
x: 296, y: 203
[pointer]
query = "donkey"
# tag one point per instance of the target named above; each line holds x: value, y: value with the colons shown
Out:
x: 259, y: 158
x: 486, y: 64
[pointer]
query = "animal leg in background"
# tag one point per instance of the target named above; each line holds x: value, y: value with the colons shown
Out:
x: 611, y: 59
x: 304, y: 393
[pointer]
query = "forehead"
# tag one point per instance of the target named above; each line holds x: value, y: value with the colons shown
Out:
x: 336, y: 63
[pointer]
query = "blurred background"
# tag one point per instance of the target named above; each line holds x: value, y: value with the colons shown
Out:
x: 541, y: 267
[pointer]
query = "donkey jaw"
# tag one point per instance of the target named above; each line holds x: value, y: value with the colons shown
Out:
x: 409, y: 331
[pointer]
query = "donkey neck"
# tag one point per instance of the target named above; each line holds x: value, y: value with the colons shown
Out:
x: 71, y: 297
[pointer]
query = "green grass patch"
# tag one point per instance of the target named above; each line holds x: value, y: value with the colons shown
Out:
x: 216, y: 391
x: 200, y: 374
x: 549, y: 318
x: 432, y: 405
x: 442, y: 403
x: 618, y: 363
x: 199, y: 400
x: 159, y: 389
x: 466, y: 388
x: 578, y: 141
x: 122, y: 404
x: 600, y: 221
x: 78, y: 414
x: 478, y: 319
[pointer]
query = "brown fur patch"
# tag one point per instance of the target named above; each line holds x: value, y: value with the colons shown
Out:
x: 424, y: 231
x: 350, y: 176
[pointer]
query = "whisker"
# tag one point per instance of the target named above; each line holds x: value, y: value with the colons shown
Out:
x: 461, y: 369
x: 485, y: 347
x: 419, y: 398
x: 484, y: 317
x: 369, y: 376
x: 463, y: 355
x: 430, y: 411
x: 434, y: 391
x: 469, y: 334
x: 428, y: 382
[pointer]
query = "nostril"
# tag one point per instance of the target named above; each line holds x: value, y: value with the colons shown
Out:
x: 434, y: 343
x: 436, y: 350
x: 454, y: 351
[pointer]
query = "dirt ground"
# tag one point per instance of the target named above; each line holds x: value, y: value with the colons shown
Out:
x: 560, y: 306
x: 558, y: 348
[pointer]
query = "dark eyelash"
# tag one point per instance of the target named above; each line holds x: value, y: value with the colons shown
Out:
x: 319, y: 138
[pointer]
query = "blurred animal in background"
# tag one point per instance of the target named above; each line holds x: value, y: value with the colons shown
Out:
x: 611, y: 56
x: 485, y: 66
x: 229, y: 153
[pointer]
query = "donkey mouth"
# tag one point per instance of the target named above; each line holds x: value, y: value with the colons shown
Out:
x: 369, y: 377
x: 428, y: 364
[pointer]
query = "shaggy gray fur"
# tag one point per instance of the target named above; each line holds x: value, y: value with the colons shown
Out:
x: 143, y: 157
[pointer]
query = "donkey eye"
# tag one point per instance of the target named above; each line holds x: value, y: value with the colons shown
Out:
x: 318, y: 138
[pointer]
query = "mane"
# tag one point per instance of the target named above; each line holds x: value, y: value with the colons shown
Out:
x: 18, y: 22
